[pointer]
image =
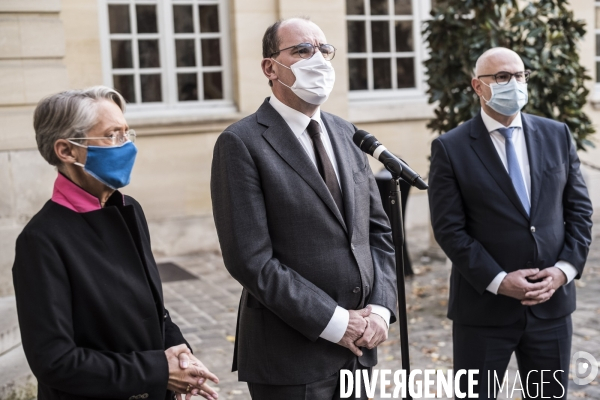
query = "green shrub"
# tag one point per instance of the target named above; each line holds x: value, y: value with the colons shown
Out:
x: 545, y: 35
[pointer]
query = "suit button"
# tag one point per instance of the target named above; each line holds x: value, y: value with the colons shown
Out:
x: 529, y: 264
x: 532, y: 229
x: 356, y: 290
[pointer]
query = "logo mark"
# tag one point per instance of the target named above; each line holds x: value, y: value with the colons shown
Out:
x: 590, y: 365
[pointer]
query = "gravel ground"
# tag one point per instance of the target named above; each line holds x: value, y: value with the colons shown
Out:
x: 206, y: 311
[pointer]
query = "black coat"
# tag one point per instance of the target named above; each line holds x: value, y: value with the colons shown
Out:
x: 90, y: 305
x: 480, y: 223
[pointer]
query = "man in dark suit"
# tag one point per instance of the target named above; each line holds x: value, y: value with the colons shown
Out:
x: 302, y: 228
x: 510, y: 209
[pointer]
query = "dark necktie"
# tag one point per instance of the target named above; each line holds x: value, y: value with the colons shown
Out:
x: 324, y: 164
x: 514, y: 171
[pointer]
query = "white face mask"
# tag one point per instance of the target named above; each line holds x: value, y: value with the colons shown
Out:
x: 314, y: 78
x: 507, y: 99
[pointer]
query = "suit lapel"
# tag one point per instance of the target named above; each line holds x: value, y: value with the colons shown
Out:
x: 340, y: 148
x: 284, y: 142
x: 485, y: 150
x: 535, y: 152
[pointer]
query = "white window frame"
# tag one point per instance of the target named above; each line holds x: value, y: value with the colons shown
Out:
x: 170, y: 106
x: 393, y: 104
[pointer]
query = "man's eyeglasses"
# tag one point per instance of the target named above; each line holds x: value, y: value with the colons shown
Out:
x: 307, y: 50
x: 112, y: 139
x: 503, y: 77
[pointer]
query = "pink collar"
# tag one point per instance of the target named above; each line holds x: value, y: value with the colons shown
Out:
x: 68, y: 194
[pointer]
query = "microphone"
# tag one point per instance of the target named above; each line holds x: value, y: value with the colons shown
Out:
x: 370, y: 145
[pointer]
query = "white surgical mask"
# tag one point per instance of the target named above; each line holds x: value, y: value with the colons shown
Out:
x: 507, y: 99
x: 314, y: 78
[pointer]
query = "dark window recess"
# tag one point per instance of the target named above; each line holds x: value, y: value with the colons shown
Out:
x: 146, y: 19
x: 213, y: 86
x: 183, y: 19
x: 118, y: 18
x: 209, y: 19
x: 124, y: 85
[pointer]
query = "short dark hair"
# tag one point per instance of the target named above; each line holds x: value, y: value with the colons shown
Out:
x: 271, y: 41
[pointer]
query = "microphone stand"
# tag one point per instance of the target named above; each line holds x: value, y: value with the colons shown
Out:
x: 398, y: 235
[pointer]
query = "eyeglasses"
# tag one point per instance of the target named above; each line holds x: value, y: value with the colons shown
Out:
x: 307, y: 50
x: 503, y: 77
x: 112, y: 139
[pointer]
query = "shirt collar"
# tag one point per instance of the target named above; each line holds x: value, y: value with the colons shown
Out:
x: 294, y: 118
x: 68, y: 194
x: 492, y: 125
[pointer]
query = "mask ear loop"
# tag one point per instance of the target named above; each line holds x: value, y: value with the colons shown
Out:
x: 80, y: 145
x: 486, y: 101
x: 285, y: 66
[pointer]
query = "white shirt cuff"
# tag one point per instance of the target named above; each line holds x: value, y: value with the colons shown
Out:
x: 495, y: 285
x: 382, y: 311
x: 568, y: 268
x: 335, y: 329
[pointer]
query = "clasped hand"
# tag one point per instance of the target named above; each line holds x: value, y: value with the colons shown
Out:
x: 364, y: 330
x: 187, y: 374
x: 518, y: 285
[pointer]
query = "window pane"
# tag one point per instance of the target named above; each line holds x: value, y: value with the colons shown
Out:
x: 118, y: 19
x: 382, y: 73
x: 380, y: 36
x: 183, y: 19
x: 403, y: 7
x: 357, y: 42
x: 598, y: 44
x: 149, y: 55
x: 209, y: 18
x: 379, y: 7
x: 213, y: 86
x: 597, y: 71
x: 121, y: 54
x: 187, y: 87
x: 146, y: 19
x: 358, y: 73
x: 185, y: 51
x: 151, y: 90
x: 211, y: 52
x: 124, y: 85
x: 406, y: 72
x: 355, y: 7
x: 404, y: 36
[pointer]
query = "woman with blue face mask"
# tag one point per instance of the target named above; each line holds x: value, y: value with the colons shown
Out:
x: 89, y: 296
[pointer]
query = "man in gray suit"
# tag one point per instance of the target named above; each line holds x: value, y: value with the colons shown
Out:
x: 302, y: 228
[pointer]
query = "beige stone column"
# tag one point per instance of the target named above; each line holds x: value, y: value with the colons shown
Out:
x: 32, y: 48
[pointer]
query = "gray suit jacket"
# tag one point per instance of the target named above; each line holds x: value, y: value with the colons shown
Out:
x: 296, y: 256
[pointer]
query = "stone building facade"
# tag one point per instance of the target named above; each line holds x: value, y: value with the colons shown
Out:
x: 189, y: 68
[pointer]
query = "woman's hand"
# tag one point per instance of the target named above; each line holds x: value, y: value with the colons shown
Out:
x: 186, y: 359
x: 190, y: 380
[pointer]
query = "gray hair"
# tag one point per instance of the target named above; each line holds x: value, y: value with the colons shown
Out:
x: 70, y: 114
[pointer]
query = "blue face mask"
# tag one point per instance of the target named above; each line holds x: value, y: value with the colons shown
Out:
x: 507, y: 99
x: 110, y: 165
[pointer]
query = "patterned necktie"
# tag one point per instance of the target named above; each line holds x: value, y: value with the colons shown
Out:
x: 324, y: 164
x: 514, y: 171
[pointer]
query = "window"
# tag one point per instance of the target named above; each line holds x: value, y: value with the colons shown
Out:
x: 167, y: 54
x: 384, y: 45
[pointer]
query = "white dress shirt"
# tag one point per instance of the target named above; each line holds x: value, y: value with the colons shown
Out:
x: 298, y: 122
x: 518, y: 138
